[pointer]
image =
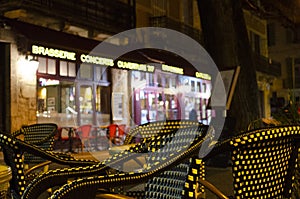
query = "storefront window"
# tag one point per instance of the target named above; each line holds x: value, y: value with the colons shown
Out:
x: 100, y: 73
x: 193, y: 86
x: 67, y: 69
x: 85, y: 105
x: 51, y: 67
x: 199, y: 87
x: 86, y: 72
x: 42, y: 65
x: 47, y: 66
x: 56, y: 102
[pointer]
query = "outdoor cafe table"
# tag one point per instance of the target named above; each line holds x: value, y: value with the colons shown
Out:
x: 5, y: 177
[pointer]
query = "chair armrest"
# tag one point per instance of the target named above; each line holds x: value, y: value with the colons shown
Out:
x: 211, y: 188
x: 35, y: 167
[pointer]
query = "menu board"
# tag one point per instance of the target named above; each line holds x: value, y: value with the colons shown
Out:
x: 117, y: 106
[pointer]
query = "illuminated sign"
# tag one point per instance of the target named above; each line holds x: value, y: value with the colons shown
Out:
x: 172, y: 69
x: 135, y: 66
x: 48, y: 82
x: 203, y: 76
x: 96, y: 60
x: 51, y: 52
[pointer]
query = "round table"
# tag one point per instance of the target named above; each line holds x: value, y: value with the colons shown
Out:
x: 5, y: 176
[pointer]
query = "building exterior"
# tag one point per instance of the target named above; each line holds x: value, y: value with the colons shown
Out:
x: 64, y: 29
x: 284, y: 45
x: 268, y: 71
x: 53, y: 78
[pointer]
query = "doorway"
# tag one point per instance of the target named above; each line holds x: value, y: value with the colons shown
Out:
x: 5, y: 87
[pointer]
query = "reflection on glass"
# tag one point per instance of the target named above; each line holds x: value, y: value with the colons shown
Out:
x: 63, y: 68
x: 85, y: 103
x: 51, y: 66
x: 42, y: 65
x: 86, y: 71
x: 72, y: 69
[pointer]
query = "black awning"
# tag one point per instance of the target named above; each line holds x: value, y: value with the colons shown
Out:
x: 29, y: 34
x: 44, y: 36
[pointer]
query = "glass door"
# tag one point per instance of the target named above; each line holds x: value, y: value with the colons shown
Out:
x: 85, y: 105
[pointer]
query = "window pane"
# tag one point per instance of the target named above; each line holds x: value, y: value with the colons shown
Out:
x: 72, y: 69
x: 42, y: 65
x: 98, y: 73
x: 86, y: 107
x: 198, y: 87
x: 203, y: 88
x: 63, y: 68
x: 86, y: 71
x: 104, y: 73
x: 193, y: 85
x: 51, y: 67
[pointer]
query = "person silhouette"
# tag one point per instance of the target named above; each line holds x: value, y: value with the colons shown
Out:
x: 193, y: 115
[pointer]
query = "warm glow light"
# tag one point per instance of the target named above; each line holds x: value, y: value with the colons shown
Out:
x: 43, y: 93
x: 28, y: 69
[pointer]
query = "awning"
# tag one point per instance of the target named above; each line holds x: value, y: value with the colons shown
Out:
x: 29, y: 34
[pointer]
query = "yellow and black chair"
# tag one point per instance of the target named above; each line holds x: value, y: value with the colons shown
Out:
x: 13, y: 150
x: 170, y: 170
x: 263, y: 162
x: 41, y: 135
x: 151, y: 129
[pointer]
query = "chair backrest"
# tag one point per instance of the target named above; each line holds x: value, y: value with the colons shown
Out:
x: 84, y: 130
x: 122, y: 129
x: 171, y: 164
x: 263, y: 161
x: 41, y: 135
x: 112, y: 129
x: 13, y: 150
x: 154, y: 128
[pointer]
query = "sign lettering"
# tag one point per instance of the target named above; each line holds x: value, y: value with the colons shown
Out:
x: 96, y: 60
x: 172, y: 69
x: 203, y: 76
x: 51, y: 52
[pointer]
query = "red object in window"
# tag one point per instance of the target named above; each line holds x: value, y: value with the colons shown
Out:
x: 122, y: 130
x: 85, y: 134
x: 112, y: 131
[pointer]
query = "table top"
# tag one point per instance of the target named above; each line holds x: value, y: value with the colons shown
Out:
x: 5, y: 173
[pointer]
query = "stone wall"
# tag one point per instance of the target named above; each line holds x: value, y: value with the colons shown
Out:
x: 23, y: 85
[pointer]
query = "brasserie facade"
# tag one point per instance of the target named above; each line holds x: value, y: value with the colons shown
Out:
x: 56, y: 77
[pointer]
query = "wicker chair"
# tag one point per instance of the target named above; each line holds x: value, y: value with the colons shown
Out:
x: 151, y: 129
x: 263, y: 162
x: 171, y: 165
x: 13, y: 151
x: 41, y: 135
x: 155, y: 128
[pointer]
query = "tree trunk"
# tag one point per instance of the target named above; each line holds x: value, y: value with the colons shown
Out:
x: 226, y: 40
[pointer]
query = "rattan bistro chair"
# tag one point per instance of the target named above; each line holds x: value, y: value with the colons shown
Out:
x: 151, y: 129
x: 263, y: 162
x: 41, y: 135
x: 13, y: 151
x: 170, y: 170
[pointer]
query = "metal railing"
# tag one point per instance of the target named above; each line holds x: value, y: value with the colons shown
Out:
x: 265, y: 65
x: 165, y: 22
x: 105, y: 15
